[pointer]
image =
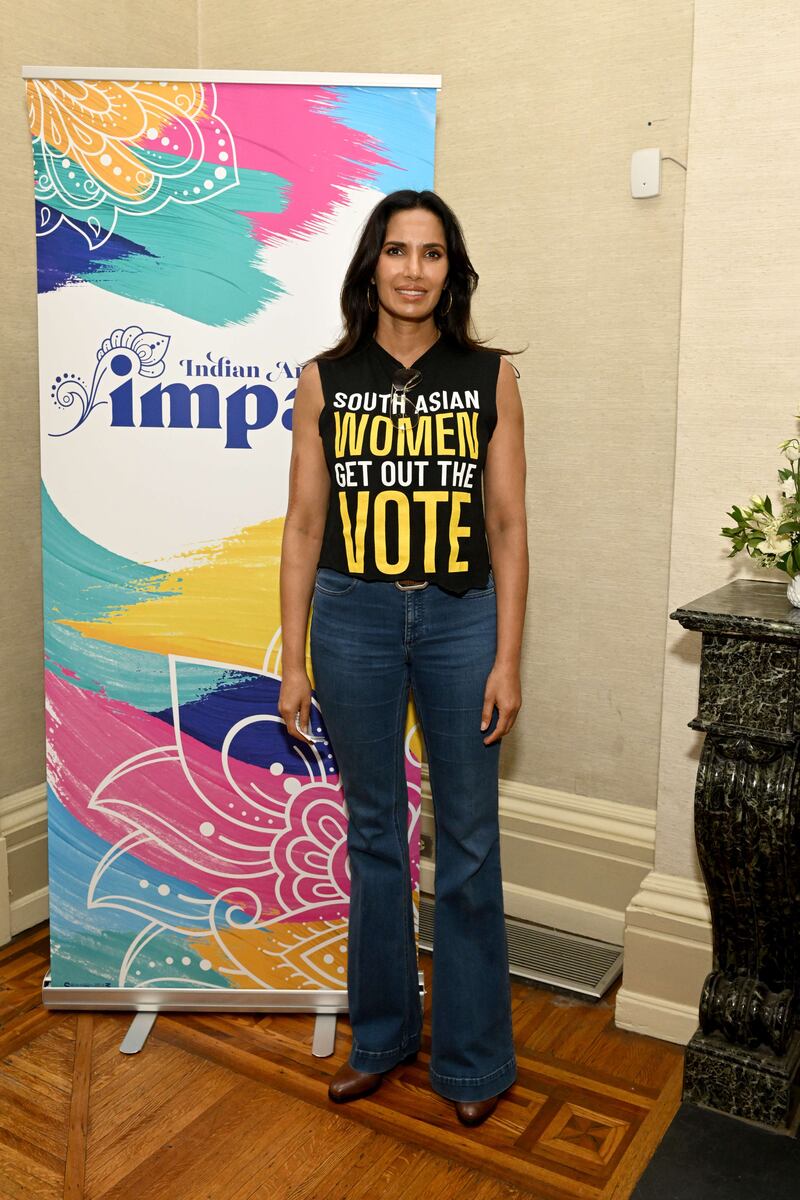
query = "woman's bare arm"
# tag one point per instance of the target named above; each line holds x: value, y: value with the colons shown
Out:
x: 507, y: 534
x: 304, y: 525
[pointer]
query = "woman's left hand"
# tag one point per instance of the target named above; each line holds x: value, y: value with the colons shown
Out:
x: 503, y: 691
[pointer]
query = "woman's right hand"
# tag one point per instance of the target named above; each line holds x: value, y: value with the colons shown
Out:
x: 294, y: 699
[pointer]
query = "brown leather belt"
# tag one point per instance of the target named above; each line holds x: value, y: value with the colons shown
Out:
x: 407, y: 585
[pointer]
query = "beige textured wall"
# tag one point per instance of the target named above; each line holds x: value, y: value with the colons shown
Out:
x: 739, y: 371
x: 540, y: 108
x: 149, y: 33
x: 739, y: 341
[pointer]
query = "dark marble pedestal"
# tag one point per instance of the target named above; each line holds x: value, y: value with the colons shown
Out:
x: 745, y: 1057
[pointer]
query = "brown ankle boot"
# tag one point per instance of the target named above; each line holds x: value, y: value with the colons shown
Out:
x: 472, y: 1112
x: 350, y: 1084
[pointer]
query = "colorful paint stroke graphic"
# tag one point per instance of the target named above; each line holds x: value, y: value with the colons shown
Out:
x: 167, y: 193
x: 192, y: 842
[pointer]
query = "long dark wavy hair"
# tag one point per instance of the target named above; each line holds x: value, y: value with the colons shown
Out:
x: 360, y: 322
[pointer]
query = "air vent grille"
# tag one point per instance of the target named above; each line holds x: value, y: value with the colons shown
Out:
x: 564, y: 961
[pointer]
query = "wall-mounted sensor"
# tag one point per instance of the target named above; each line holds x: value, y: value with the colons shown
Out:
x: 646, y: 172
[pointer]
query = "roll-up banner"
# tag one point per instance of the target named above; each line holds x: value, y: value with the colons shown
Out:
x: 192, y: 233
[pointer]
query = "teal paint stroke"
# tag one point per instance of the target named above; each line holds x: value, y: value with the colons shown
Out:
x: 83, y: 581
x: 202, y: 259
x: 89, y: 945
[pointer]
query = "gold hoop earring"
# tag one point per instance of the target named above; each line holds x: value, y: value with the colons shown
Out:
x: 445, y: 311
x: 369, y: 306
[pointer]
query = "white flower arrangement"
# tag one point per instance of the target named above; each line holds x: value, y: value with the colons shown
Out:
x: 772, y: 539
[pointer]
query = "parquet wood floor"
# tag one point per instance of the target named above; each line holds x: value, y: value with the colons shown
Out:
x: 220, y: 1107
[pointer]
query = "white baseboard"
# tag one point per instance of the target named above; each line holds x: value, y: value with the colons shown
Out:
x: 667, y: 957
x: 655, y: 1017
x: 23, y: 861
x: 30, y: 910
x: 571, y: 862
x: 5, y: 905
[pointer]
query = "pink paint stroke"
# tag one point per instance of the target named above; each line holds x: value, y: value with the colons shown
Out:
x: 288, y: 846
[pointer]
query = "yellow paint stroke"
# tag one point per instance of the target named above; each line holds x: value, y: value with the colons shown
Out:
x: 226, y: 609
x: 304, y: 956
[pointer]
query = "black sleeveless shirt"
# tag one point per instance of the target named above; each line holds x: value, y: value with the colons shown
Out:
x: 407, y: 503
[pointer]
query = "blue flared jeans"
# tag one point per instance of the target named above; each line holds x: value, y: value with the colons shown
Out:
x: 372, y: 642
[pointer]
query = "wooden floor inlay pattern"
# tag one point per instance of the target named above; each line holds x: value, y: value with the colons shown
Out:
x: 220, y: 1107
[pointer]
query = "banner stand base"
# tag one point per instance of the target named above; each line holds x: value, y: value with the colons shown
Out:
x: 137, y: 1033
x: 147, y: 1003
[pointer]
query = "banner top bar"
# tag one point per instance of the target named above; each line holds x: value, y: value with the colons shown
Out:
x: 157, y: 75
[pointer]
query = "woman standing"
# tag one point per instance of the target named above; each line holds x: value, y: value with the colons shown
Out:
x: 407, y: 458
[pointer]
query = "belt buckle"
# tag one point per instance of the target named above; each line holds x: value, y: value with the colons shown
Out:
x: 411, y: 587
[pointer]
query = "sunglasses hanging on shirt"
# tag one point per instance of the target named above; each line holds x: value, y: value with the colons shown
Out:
x: 401, y: 406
